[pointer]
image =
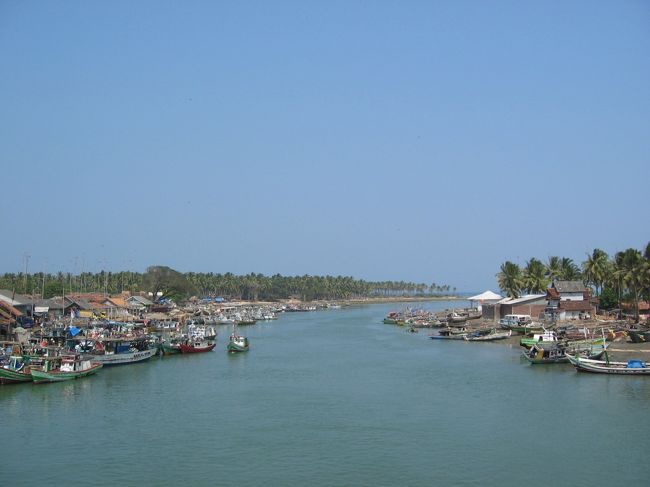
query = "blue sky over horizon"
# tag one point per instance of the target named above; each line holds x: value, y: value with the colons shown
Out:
x: 421, y: 141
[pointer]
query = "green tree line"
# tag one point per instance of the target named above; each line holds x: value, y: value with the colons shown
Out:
x: 173, y: 284
x: 624, y: 277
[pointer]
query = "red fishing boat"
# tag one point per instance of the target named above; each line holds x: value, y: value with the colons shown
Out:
x: 197, y: 346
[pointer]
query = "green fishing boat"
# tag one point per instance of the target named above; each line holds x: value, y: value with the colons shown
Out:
x: 237, y: 343
x: 15, y: 371
x: 18, y: 367
x: 66, y: 367
x: 558, y: 353
x: 168, y: 347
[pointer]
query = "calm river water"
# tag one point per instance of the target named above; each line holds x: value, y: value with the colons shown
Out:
x: 331, y: 398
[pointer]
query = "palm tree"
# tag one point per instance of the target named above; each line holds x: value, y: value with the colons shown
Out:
x: 630, y: 267
x: 569, y: 270
x: 595, y: 269
x: 534, y: 277
x: 554, y: 268
x: 510, y: 279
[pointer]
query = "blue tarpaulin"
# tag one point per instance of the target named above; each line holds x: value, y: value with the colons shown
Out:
x: 74, y: 331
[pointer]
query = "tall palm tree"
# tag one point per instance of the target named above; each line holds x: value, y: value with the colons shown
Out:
x: 534, y: 276
x: 595, y: 269
x: 554, y: 268
x: 510, y: 279
x: 569, y: 270
x: 630, y: 267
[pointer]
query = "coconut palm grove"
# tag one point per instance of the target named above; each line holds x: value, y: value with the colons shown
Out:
x: 621, y: 278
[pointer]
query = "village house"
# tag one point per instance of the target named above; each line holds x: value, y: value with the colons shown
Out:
x: 139, y: 303
x: 568, y: 300
x: 21, y: 302
x: 530, y: 304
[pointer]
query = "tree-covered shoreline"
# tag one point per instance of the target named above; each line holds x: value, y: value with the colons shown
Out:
x: 164, y: 281
x: 622, y: 278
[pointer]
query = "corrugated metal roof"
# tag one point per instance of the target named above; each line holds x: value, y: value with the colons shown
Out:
x: 523, y: 299
x: 569, y: 286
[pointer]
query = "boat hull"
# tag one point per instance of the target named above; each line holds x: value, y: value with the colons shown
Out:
x: 490, y: 337
x: 166, y: 349
x: 447, y: 337
x: 234, y: 348
x: 124, y: 358
x: 8, y: 376
x: 192, y: 349
x: 603, y: 367
x: 40, y: 376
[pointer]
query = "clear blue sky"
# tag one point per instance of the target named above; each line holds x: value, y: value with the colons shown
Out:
x: 419, y: 140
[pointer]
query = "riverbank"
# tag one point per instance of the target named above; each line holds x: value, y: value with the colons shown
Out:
x: 349, y: 302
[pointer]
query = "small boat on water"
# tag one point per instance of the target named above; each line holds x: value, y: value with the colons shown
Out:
x: 548, y: 336
x: 19, y: 365
x: 168, y: 347
x: 117, y: 351
x: 237, y: 342
x: 450, y: 334
x: 558, y: 353
x: 15, y: 371
x: 631, y: 367
x: 65, y: 367
x: 246, y: 321
x: 197, y: 346
x: 487, y: 335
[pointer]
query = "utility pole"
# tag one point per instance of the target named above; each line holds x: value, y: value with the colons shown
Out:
x: 26, y: 256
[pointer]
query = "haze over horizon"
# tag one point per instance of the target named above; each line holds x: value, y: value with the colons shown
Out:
x: 419, y: 141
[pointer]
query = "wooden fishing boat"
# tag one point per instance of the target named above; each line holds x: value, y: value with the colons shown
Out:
x: 15, y: 371
x: 456, y: 318
x: 238, y: 343
x: 246, y: 321
x: 18, y: 367
x: 638, y: 336
x: 450, y: 334
x: 546, y: 338
x: 631, y: 367
x: 120, y: 350
x: 196, y: 346
x: 487, y: 335
x: 65, y: 367
x: 557, y: 354
x: 171, y: 347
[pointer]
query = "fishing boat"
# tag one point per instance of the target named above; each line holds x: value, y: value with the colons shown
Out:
x: 638, y: 336
x: 246, y: 321
x: 65, y: 367
x: 197, y: 346
x: 171, y: 347
x: 487, y: 335
x: 631, y: 367
x: 18, y: 366
x: 118, y: 350
x: 548, y: 336
x: 558, y: 353
x: 15, y: 371
x: 456, y: 318
x: 450, y: 334
x: 237, y: 343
